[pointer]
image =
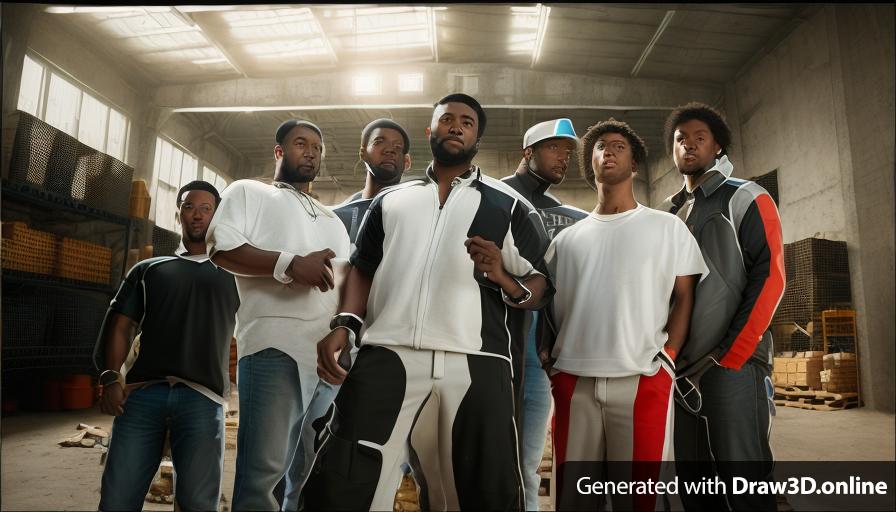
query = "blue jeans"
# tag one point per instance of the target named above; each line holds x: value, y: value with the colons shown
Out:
x: 320, y: 402
x: 138, y: 435
x: 536, y: 413
x: 270, y: 423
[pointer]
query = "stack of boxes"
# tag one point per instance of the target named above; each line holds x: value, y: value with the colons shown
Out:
x: 840, y: 373
x: 803, y: 369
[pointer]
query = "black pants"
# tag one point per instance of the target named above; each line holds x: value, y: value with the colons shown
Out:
x: 454, y: 412
x: 729, y: 437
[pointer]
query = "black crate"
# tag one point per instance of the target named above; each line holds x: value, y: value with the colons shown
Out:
x: 164, y: 242
x: 57, y: 162
x: 48, y: 325
x: 816, y: 257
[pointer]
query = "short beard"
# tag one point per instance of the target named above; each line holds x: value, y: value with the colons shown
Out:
x: 382, y: 175
x: 444, y: 157
x: 195, y: 238
x: 295, y: 174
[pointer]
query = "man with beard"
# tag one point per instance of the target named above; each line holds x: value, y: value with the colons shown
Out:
x: 281, y: 244
x: 442, y: 269
x: 183, y: 308
x: 547, y: 148
x: 723, y: 420
x: 384, y: 151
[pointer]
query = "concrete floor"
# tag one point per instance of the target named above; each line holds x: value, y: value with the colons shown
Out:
x: 38, y: 474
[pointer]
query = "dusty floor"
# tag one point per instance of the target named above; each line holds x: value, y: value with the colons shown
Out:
x: 37, y: 474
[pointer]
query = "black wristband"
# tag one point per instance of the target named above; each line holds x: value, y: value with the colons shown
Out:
x: 349, y: 321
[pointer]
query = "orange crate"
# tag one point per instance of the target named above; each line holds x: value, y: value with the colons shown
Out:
x: 28, y: 250
x: 83, y: 261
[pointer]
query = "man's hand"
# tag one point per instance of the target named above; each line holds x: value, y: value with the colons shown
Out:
x: 113, y: 399
x: 486, y: 258
x: 313, y: 270
x: 328, y: 350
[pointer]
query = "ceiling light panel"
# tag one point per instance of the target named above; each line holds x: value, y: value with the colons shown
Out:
x: 267, y: 17
x: 273, y: 29
x: 311, y: 46
x: 179, y: 55
x: 165, y: 42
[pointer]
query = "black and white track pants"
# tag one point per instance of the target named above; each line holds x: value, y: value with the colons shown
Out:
x: 452, y: 412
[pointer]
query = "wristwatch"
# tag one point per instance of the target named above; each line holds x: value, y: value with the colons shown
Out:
x: 351, y: 322
x: 527, y: 294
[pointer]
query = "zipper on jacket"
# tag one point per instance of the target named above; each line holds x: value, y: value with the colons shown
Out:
x: 434, y: 239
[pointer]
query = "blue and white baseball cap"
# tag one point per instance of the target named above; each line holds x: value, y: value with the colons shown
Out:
x: 553, y: 129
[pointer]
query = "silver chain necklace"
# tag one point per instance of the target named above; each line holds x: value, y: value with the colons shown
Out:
x: 311, y: 213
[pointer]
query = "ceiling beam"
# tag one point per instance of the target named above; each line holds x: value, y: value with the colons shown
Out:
x: 656, y: 37
x: 500, y: 87
x: 214, y: 38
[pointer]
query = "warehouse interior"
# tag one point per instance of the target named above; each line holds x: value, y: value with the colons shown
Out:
x: 171, y: 93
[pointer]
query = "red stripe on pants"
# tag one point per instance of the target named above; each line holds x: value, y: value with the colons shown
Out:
x: 562, y: 387
x: 649, y: 422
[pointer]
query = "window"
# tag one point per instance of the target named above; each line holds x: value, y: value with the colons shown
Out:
x: 410, y: 82
x: 63, y: 105
x: 215, y: 178
x: 92, y: 125
x: 173, y: 168
x: 31, y: 88
x: 45, y: 94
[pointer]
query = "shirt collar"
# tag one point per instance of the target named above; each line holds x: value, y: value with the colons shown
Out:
x: 471, y: 175
x: 181, y: 253
x: 713, y: 179
x: 314, y: 202
x: 532, y: 184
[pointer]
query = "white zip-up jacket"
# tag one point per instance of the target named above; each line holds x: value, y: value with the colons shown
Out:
x: 424, y: 292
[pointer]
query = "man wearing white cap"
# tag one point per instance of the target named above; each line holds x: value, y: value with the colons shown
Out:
x: 280, y: 243
x: 547, y: 149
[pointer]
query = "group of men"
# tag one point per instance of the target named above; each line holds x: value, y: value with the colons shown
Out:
x: 425, y: 324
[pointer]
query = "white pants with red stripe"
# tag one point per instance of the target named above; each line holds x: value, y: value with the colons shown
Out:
x: 602, y: 424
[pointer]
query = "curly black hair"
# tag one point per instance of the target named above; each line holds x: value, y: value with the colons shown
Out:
x: 702, y: 112
x: 639, y: 150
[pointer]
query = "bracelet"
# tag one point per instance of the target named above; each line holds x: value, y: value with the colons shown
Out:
x: 351, y: 322
x: 105, y: 379
x: 283, y: 262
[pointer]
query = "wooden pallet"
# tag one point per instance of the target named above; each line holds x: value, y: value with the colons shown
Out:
x: 803, y: 397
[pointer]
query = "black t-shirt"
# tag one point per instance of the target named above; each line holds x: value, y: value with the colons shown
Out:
x: 351, y: 213
x: 186, y: 311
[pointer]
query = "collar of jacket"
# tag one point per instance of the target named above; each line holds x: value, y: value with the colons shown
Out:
x: 716, y: 175
x: 532, y: 184
x: 472, y: 174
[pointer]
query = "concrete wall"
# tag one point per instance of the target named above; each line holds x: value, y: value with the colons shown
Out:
x: 819, y: 109
x: 866, y: 57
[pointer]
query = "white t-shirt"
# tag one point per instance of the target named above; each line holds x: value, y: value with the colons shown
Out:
x: 614, y: 276
x: 271, y: 314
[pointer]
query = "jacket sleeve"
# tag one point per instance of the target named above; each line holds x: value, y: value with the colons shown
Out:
x: 758, y: 227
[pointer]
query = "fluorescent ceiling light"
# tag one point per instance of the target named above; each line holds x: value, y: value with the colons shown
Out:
x: 366, y: 85
x: 213, y: 60
x: 544, y: 14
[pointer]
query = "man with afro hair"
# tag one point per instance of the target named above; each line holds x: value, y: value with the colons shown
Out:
x: 625, y: 278
x: 724, y: 402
